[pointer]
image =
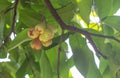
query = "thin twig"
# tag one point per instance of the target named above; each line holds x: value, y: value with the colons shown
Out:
x: 6, y: 10
x: 59, y: 50
x: 95, y: 48
x: 13, y: 21
x: 64, y: 6
x: 54, y: 13
x: 9, y: 9
x: 58, y: 63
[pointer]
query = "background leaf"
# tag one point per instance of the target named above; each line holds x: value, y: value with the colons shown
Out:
x: 19, y: 39
x: 81, y: 51
x: 45, y: 66
x: 113, y: 21
x: 103, y: 7
x: 84, y: 9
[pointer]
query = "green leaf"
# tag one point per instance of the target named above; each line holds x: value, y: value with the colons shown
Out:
x: 64, y: 69
x: 112, y: 50
x: 83, y: 57
x: 84, y: 9
x: 3, y: 54
x: 103, y: 7
x: 52, y: 57
x: 113, y: 21
x: 114, y: 61
x: 22, y: 70
x: 107, y: 30
x: 107, y: 73
x: 104, y: 68
x: 64, y: 63
x: 5, y: 74
x: 57, y: 39
x: 4, y: 4
x: 14, y: 55
x: 116, y: 6
x: 67, y: 12
x: 29, y: 17
x: 46, y: 70
x: 1, y: 29
x: 33, y: 67
x: 19, y: 39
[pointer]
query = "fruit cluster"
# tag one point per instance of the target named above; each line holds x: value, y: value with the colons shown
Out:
x: 42, y: 35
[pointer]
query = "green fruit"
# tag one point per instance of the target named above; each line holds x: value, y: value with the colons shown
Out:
x: 47, y: 35
x: 47, y: 43
x: 40, y: 28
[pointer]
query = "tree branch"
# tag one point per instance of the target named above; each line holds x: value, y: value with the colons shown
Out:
x: 54, y: 13
x: 58, y: 62
x: 72, y: 28
x: 95, y: 48
x: 75, y: 29
x: 59, y: 51
x: 13, y: 22
x: 9, y: 9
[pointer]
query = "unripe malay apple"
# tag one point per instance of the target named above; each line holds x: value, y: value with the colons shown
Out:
x: 47, y: 35
x: 32, y: 33
x: 40, y: 28
x: 36, y: 44
x: 47, y: 43
x: 53, y: 29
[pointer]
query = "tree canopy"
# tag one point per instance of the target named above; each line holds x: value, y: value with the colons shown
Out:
x: 82, y: 22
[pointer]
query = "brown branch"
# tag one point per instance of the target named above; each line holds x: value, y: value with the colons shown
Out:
x: 58, y: 63
x: 95, y: 48
x: 54, y: 13
x: 6, y: 11
x: 13, y: 22
x: 59, y: 51
x: 72, y: 28
x: 75, y: 29
x: 9, y: 9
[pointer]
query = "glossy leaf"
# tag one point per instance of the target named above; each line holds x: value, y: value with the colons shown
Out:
x: 64, y: 64
x: 81, y: 51
x: 84, y: 9
x: 19, y: 39
x: 4, y: 5
x: 103, y: 7
x: 104, y: 68
x: 116, y: 6
x: 113, y: 21
x: 34, y: 17
x: 22, y: 70
x: 108, y: 30
x: 67, y: 12
x: 46, y: 70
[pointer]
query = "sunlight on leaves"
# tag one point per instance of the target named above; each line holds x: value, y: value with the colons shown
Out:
x: 95, y: 26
